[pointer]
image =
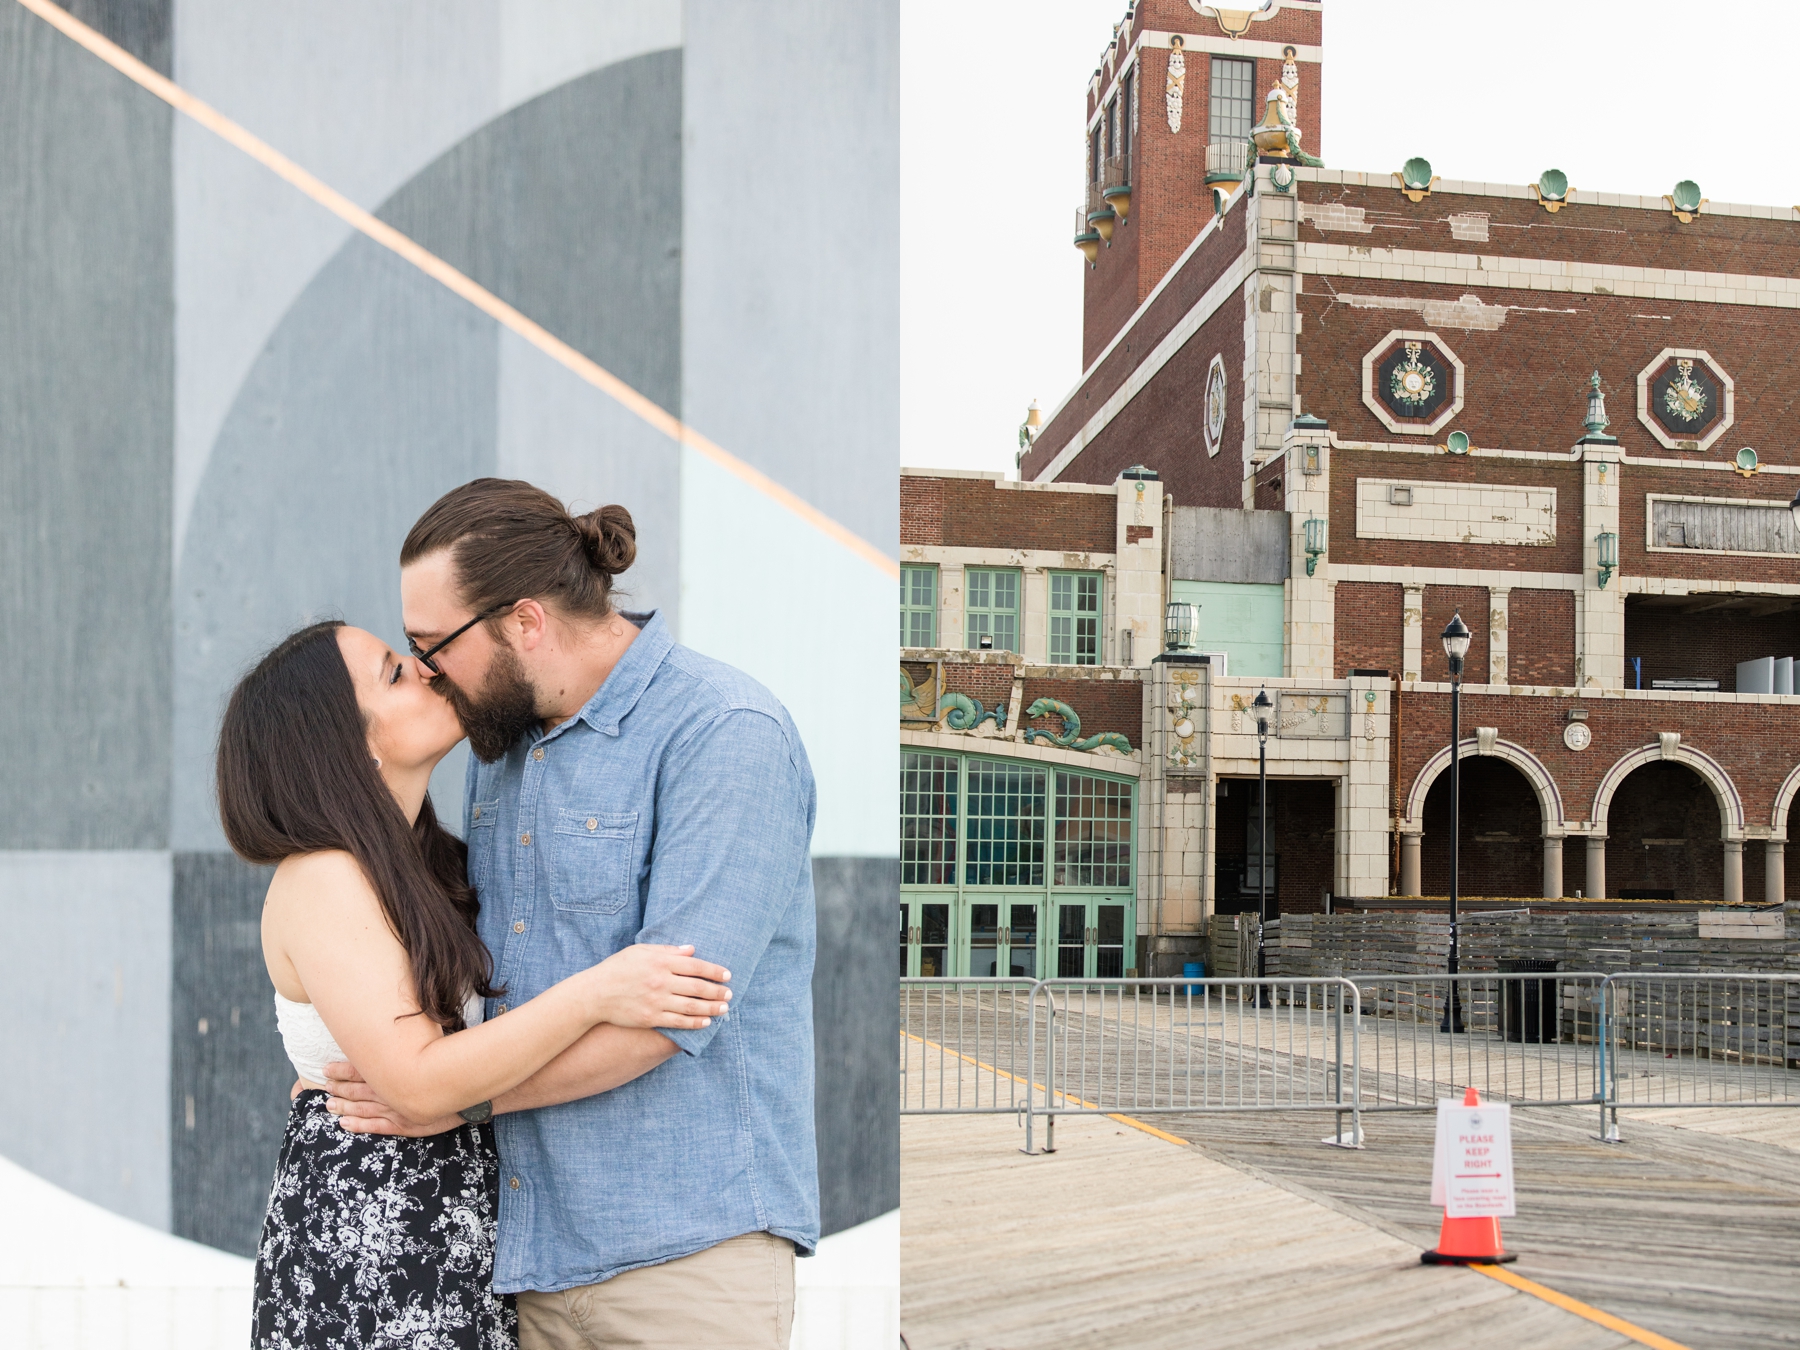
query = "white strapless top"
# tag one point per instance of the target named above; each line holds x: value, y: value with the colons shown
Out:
x: 309, y: 1043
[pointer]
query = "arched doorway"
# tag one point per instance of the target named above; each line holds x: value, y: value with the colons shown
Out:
x: 1501, y: 839
x: 1663, y: 836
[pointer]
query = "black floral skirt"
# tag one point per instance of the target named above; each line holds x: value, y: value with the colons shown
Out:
x: 378, y: 1243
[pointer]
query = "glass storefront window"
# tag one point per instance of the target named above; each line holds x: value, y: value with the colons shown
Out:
x: 1005, y: 827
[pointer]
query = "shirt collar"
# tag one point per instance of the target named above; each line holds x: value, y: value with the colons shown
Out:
x: 619, y: 692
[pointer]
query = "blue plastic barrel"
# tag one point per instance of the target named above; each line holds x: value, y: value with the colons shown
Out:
x: 1193, y: 970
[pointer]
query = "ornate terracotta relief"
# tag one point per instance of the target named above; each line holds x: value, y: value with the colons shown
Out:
x: 1685, y: 399
x: 1413, y: 382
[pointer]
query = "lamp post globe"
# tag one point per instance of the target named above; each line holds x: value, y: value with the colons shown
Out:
x: 1456, y: 648
x: 1261, y: 706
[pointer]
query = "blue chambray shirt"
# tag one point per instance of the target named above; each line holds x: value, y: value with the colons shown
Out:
x: 677, y: 806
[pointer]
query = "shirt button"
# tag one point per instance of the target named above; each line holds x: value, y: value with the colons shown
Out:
x: 519, y: 927
x: 538, y: 753
x: 478, y: 813
x: 592, y: 824
x: 525, y: 838
x: 502, y: 1008
x: 514, y: 1183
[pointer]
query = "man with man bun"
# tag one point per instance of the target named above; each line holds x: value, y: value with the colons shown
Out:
x: 624, y: 789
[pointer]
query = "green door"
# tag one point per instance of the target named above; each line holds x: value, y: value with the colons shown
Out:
x: 924, y: 937
x: 1003, y: 937
x: 1094, y: 938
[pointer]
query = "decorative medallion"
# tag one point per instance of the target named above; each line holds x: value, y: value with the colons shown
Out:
x: 1685, y: 399
x: 1184, y: 710
x: 1413, y: 383
x: 1177, y: 78
x: 1281, y: 178
x: 1216, y: 407
x: 1577, y: 736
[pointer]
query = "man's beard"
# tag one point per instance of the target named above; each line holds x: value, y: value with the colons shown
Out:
x: 504, y: 710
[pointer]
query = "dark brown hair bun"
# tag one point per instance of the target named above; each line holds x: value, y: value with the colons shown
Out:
x: 609, y: 538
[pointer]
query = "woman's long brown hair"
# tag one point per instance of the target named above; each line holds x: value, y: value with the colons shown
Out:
x: 295, y: 776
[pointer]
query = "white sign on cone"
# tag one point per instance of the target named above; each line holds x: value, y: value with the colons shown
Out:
x: 1471, y: 1163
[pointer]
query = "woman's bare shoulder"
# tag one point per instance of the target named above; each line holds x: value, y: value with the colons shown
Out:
x: 331, y: 881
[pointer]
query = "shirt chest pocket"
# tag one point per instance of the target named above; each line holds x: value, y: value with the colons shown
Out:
x: 593, y: 861
x: 482, y: 820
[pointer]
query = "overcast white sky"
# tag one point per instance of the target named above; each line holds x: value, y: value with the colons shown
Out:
x: 1623, y: 97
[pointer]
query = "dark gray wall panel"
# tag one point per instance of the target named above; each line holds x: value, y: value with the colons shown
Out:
x: 856, y: 1032
x: 569, y: 208
x: 141, y: 27
x: 374, y: 397
x: 229, y: 1084
x: 86, y: 447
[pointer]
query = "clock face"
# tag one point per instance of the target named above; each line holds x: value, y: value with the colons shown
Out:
x: 1577, y: 736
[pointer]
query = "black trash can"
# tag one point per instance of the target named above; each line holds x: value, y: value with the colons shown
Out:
x: 1528, y: 1008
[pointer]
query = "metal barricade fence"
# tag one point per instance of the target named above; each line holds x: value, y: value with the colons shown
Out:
x: 1533, y: 1039
x: 963, y: 1045
x: 1699, y: 1039
x: 1184, y: 1046
x: 1362, y: 1044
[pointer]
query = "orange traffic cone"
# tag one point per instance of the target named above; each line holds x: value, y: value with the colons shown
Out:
x: 1471, y: 1241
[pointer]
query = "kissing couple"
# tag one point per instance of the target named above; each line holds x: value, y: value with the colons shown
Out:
x: 555, y: 1077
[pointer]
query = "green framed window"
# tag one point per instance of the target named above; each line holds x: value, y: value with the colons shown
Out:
x: 928, y: 792
x: 991, y: 602
x: 1005, y: 825
x: 1075, y: 618
x: 918, y: 606
x: 1093, y: 832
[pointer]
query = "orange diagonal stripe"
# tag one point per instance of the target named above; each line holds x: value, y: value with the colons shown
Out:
x: 446, y: 275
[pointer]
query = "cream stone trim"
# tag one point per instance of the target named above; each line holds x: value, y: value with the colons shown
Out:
x: 1491, y: 577
x: 1028, y: 559
x: 1227, y: 287
x: 1642, y: 585
x: 1655, y: 428
x: 1490, y: 271
x: 1244, y: 47
x: 1784, y: 798
x: 1004, y: 747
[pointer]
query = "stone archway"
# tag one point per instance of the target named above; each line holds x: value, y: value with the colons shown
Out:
x: 1715, y: 868
x: 1485, y: 747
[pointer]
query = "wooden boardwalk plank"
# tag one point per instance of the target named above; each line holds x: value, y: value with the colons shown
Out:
x: 1122, y: 1240
x: 1692, y: 1235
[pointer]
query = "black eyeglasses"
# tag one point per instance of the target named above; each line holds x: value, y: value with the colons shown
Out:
x: 424, y: 656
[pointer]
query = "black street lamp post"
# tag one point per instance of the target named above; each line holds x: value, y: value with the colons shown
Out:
x: 1261, y: 707
x: 1456, y: 647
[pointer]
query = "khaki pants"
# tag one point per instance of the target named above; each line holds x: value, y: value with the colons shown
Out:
x: 738, y: 1295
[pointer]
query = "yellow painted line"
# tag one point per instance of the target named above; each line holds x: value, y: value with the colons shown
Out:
x: 1132, y: 1121
x: 446, y: 275
x: 1580, y: 1309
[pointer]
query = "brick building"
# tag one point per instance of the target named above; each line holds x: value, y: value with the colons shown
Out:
x: 1356, y: 404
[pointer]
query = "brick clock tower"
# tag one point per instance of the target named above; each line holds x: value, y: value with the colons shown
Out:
x: 1169, y: 113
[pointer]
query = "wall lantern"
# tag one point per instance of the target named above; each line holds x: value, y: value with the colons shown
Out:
x: 1794, y: 510
x: 1315, y: 542
x: 1608, y: 544
x: 1180, y: 619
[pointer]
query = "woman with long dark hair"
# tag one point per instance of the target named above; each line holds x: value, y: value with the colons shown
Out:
x: 368, y: 931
